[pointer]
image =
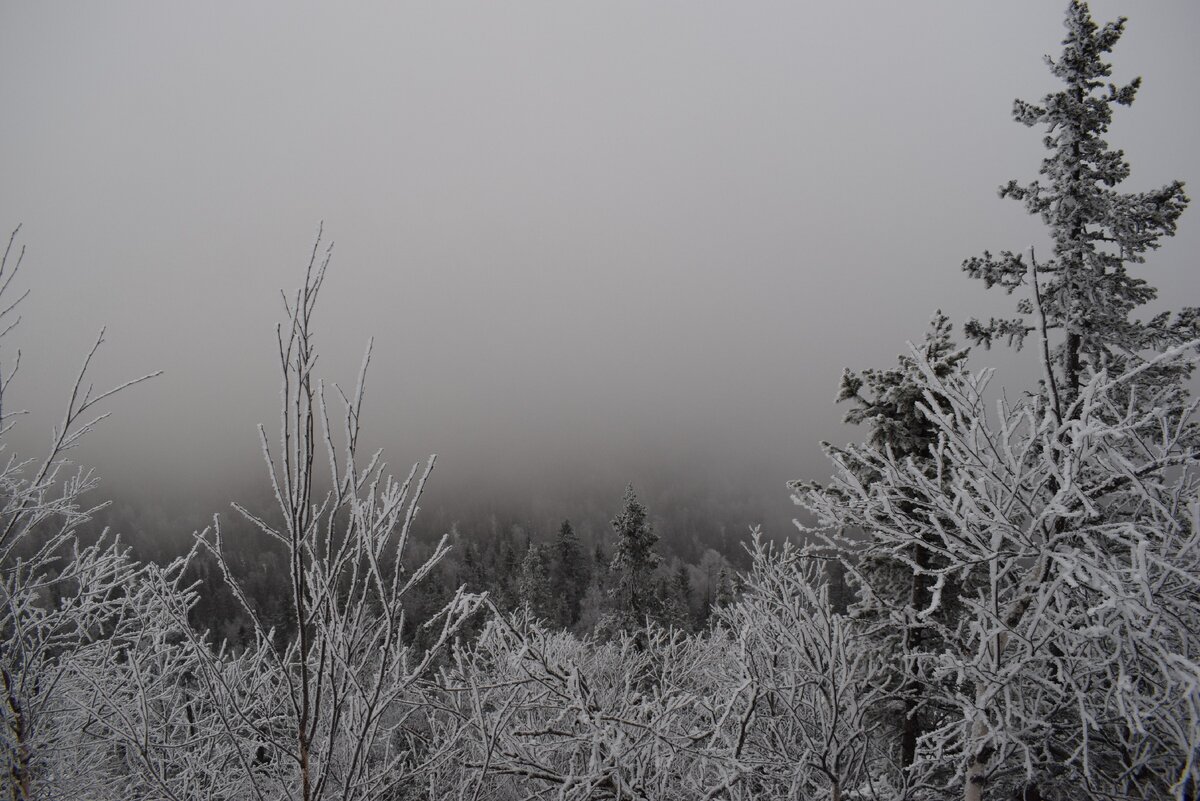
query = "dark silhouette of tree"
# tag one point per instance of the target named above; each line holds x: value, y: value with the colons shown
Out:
x: 634, y: 563
x: 571, y: 574
x: 535, y: 588
x: 682, y: 585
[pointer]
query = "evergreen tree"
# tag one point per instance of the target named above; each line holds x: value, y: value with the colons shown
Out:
x: 601, y: 564
x: 473, y: 569
x: 1083, y: 295
x: 888, y: 403
x: 535, y: 588
x: 634, y: 563
x: 1082, y: 298
x: 683, y: 590
x: 724, y: 591
x: 1084, y: 290
x: 508, y: 570
x: 571, y: 576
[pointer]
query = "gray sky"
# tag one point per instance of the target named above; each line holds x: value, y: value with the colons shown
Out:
x: 595, y: 242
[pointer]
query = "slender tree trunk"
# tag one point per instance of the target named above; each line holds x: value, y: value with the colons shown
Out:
x: 1075, y: 270
x: 20, y: 774
x: 911, y: 727
x: 299, y: 592
x: 976, y: 780
x: 1071, y: 366
x: 301, y: 518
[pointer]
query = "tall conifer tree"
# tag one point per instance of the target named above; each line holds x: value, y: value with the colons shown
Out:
x: 1083, y: 292
x: 888, y: 403
x: 535, y: 586
x: 1079, y: 304
x: 634, y: 562
x: 571, y: 577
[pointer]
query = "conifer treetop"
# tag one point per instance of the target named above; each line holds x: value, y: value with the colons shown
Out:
x: 1083, y: 289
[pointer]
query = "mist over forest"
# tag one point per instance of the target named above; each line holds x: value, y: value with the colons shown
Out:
x: 593, y: 247
x: 601, y: 401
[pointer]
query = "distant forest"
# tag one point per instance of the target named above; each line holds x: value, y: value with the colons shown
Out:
x: 559, y: 569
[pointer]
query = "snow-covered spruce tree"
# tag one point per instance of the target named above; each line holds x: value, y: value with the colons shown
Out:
x: 58, y: 594
x: 889, y: 592
x: 1083, y: 295
x: 681, y: 587
x: 1084, y: 292
x: 571, y: 576
x: 1073, y: 663
x: 534, y: 587
x: 888, y: 402
x: 724, y: 594
x: 325, y: 711
x: 634, y: 561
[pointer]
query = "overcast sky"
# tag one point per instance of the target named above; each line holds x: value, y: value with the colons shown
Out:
x: 601, y: 241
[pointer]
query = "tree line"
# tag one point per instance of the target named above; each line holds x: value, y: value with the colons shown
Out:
x: 565, y: 580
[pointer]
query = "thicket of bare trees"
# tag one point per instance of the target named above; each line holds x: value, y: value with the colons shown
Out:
x: 59, y: 597
x: 109, y: 691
